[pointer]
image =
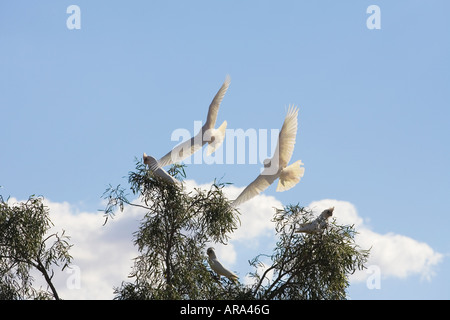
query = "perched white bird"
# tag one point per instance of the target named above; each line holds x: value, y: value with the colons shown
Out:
x: 218, y: 267
x: 208, y: 134
x: 318, y: 225
x: 277, y: 167
x: 157, y: 170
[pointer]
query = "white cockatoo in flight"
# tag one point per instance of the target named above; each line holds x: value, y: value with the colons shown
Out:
x: 318, y: 224
x: 277, y: 167
x: 157, y: 170
x: 218, y: 267
x: 208, y: 133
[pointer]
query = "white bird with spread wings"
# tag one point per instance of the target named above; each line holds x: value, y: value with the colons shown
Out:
x: 277, y: 167
x: 208, y: 133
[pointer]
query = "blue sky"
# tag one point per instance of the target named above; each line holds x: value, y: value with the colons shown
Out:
x: 76, y: 106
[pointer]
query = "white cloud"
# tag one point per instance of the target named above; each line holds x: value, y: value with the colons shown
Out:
x: 260, y: 269
x: 104, y: 253
x: 395, y: 255
x: 255, y: 217
x: 256, y: 214
x: 225, y: 253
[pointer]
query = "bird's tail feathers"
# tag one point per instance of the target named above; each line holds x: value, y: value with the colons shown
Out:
x: 234, y: 278
x: 219, y: 136
x: 290, y: 176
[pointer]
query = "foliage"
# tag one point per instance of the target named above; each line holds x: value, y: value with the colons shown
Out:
x: 178, y: 225
x: 25, y: 244
x: 172, y: 237
x: 308, y: 266
x: 176, y: 228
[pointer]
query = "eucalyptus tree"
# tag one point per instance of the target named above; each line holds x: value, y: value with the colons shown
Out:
x: 308, y: 266
x: 27, y: 245
x: 178, y: 225
x: 175, y: 229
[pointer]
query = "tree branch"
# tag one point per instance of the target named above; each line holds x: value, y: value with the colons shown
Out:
x: 48, y: 279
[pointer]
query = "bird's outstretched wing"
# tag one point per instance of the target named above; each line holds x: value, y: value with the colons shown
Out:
x: 215, y: 104
x: 282, y: 156
x: 189, y: 147
x: 261, y: 183
x: 286, y: 138
x: 157, y: 170
x: 182, y: 151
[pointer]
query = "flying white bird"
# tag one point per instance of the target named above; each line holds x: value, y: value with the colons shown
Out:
x: 157, y: 170
x: 208, y: 134
x: 277, y: 167
x: 218, y: 267
x: 318, y: 224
